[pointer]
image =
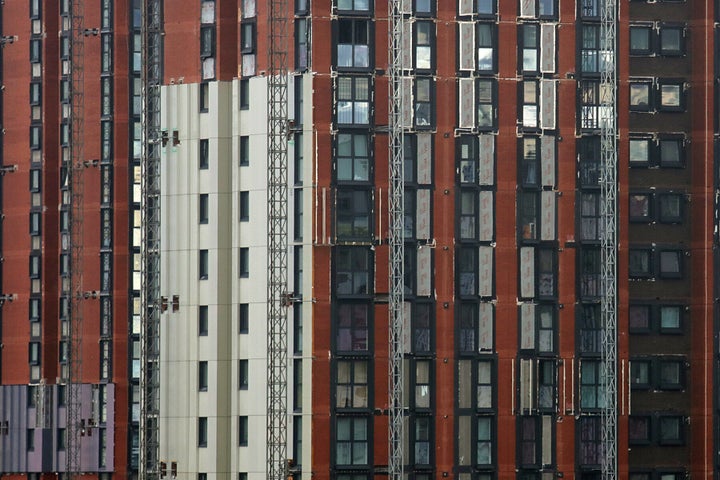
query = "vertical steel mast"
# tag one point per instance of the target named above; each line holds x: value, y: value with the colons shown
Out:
x: 73, y: 165
x: 608, y: 188
x: 150, y: 249
x: 277, y: 238
x: 397, y: 247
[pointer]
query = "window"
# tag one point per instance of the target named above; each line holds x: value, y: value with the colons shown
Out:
x: 639, y: 318
x: 204, y: 154
x: 35, y: 223
x: 530, y: 45
x: 592, y: 114
x: 354, y: 6
x: 353, y: 157
x: 672, y: 40
x: 640, y: 378
x: 353, y: 214
x: 640, y: 96
x: 639, y: 151
x: 672, y: 151
x: 61, y: 439
x: 352, y: 271
x: 485, y: 104
x: 244, y: 262
x: 247, y: 37
x: 353, y: 49
x: 671, y: 265
x: 590, y: 220
x: 202, y: 431
x: 203, y: 264
x: 589, y: 153
x: 297, y: 329
x: 244, y: 318
x: 243, y: 375
x: 484, y: 451
x: 351, y: 441
x: 302, y: 43
x: 671, y: 374
x: 204, y: 97
x: 35, y: 93
x: 297, y: 373
x: 35, y: 9
x: 244, y: 151
x: 424, y: 95
x: 244, y: 206
x: 34, y: 353
x: 244, y: 94
x: 671, y: 430
x: 590, y: 329
x: 203, y: 376
x: 528, y: 442
x: 485, y: 47
x: 590, y: 273
x: 589, y: 8
x: 640, y: 207
x: 203, y: 320
x: 640, y: 263
x: 424, y: 40
x: 203, y: 208
x: 592, y: 396
x: 592, y: 59
x: 641, y: 37
x: 590, y: 440
x: 639, y: 429
x: 352, y: 327
x: 30, y: 439
x: 35, y: 50
x: 670, y: 319
x: 671, y: 95
x: 34, y: 310
x: 422, y: 434
x: 545, y: 271
x: 243, y: 431
x: 467, y: 267
x: 35, y: 266
x: 351, y: 385
x: 353, y: 100
x: 35, y: 137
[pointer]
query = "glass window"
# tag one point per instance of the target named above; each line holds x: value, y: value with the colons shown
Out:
x: 352, y: 271
x: 204, y: 208
x: 486, y: 47
x: 486, y: 7
x: 243, y: 429
x: 590, y: 433
x: 640, y: 262
x: 203, y: 264
x: 243, y: 374
x: 202, y: 431
x: 423, y: 102
x: 590, y: 221
x: 592, y: 394
x: 639, y: 429
x: 639, y: 151
x: 640, y: 207
x: 486, y: 104
x: 640, y: 39
x: 670, y: 430
x: 484, y: 441
x: 529, y: 36
x: 422, y: 440
x: 353, y: 95
x: 351, y: 387
x: 672, y: 40
x: 202, y: 376
x: 352, y: 330
x: 590, y: 273
x: 353, y: 213
x: 203, y: 320
x: 424, y: 39
x: 671, y: 375
x: 244, y: 206
x: 243, y: 318
x: 670, y: 319
x: 640, y: 374
x: 359, y: 6
x: 244, y: 262
x: 205, y: 154
x: 351, y: 442
x: 590, y: 54
x: 671, y: 96
x: 247, y: 37
x: 353, y: 48
x: 590, y: 329
x: 640, y: 96
x: 467, y: 271
x: 672, y: 152
x: 671, y: 263
x: 639, y: 318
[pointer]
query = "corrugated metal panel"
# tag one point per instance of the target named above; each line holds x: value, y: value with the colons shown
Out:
x: 527, y: 272
x: 547, y: 159
x: 424, y: 158
x: 547, y: 48
x: 486, y: 211
x: 486, y: 321
x: 527, y: 326
x: 423, y: 214
x: 407, y: 49
x: 547, y: 199
x: 486, y: 151
x: 467, y: 102
x: 467, y: 45
x: 424, y: 273
x: 485, y: 272
x: 547, y: 104
x: 527, y: 8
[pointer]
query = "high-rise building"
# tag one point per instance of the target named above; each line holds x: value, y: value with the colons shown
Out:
x: 506, y: 105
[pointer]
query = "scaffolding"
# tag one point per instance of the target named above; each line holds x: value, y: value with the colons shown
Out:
x: 608, y: 188
x: 396, y: 152
x: 150, y: 250
x: 278, y: 298
x: 73, y: 167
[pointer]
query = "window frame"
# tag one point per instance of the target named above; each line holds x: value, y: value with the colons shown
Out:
x: 203, y: 264
x: 663, y: 83
x: 244, y: 262
x: 248, y: 36
x: 203, y: 375
x: 203, y: 208
x: 650, y: 31
x: 204, y: 154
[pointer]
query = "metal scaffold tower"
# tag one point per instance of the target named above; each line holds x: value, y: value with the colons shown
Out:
x: 278, y: 298
x: 73, y: 165
x: 397, y: 248
x: 608, y: 188
x: 150, y: 250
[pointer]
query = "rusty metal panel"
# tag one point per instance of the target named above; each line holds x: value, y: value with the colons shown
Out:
x: 527, y: 8
x: 547, y: 48
x: 486, y: 324
x: 467, y: 45
x: 466, y: 7
x: 547, y: 104
x: 486, y: 211
x: 424, y: 158
x: 422, y: 212
x: 407, y: 45
x: 527, y: 326
x: 424, y: 270
x: 467, y: 102
x: 527, y: 272
x: 547, y: 210
x: 486, y: 157
x: 485, y: 272
x: 547, y: 159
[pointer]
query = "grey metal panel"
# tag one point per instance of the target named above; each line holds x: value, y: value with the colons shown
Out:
x: 407, y: 102
x: 15, y: 413
x: 485, y: 272
x: 547, y: 428
x: 527, y: 326
x: 487, y: 220
x: 486, y: 320
x: 527, y: 272
x: 486, y: 152
x: 423, y: 214
x: 407, y: 46
x: 467, y: 102
x: 547, y: 104
x: 547, y: 48
x: 424, y: 271
x: 110, y: 428
x: 424, y: 158
x: 527, y: 8
x: 547, y: 159
x: 467, y: 45
x: 547, y: 210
